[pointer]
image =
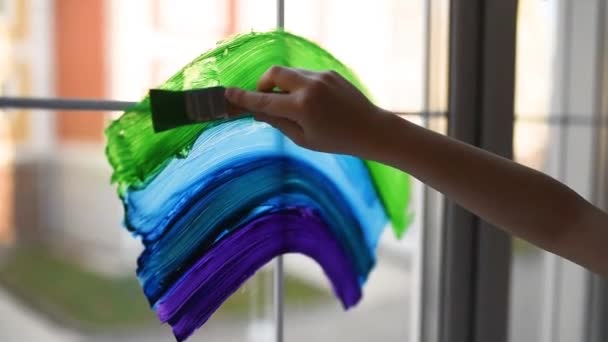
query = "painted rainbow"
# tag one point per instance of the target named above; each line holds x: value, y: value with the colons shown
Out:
x: 214, y: 202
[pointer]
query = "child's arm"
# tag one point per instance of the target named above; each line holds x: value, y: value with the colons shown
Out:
x: 323, y: 111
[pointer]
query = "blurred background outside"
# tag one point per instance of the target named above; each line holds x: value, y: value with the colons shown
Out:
x: 66, y: 263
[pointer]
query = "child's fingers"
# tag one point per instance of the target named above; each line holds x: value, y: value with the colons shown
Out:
x: 286, y: 79
x: 288, y: 127
x: 261, y: 117
x: 276, y: 104
x: 234, y: 111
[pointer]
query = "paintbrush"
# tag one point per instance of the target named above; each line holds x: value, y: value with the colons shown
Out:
x: 171, y: 109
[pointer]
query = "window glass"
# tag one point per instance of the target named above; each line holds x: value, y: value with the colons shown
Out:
x: 388, y: 58
x: 555, y: 130
x: 67, y: 264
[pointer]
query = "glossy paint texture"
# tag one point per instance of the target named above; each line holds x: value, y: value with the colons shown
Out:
x: 214, y: 202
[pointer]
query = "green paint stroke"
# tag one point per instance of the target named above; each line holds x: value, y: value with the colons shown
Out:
x: 395, y: 191
x: 137, y: 154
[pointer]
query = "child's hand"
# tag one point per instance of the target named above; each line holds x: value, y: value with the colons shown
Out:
x: 323, y: 111
x: 318, y: 110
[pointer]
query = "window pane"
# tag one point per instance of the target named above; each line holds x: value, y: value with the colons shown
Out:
x: 57, y: 240
x: 528, y: 271
x: 388, y: 58
x: 66, y: 263
x: 536, y: 25
x: 554, y: 133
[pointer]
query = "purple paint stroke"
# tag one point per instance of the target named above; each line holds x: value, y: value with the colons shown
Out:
x: 220, y: 272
